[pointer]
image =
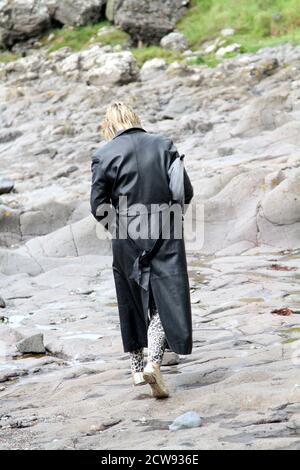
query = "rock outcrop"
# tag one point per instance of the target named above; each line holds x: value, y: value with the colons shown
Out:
x: 145, y: 21
x: 22, y: 19
x: 76, y: 12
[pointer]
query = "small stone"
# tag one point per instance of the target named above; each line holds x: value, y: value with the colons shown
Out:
x: 96, y: 428
x: 210, y: 49
x: 2, y: 302
x: 174, y: 41
x: 32, y: 345
x: 6, y: 185
x: 170, y: 359
x: 228, y: 49
x: 227, y: 32
x: 191, y: 419
x: 2, y: 389
x: 83, y: 317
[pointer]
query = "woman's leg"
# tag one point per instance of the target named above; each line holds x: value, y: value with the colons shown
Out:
x: 156, y: 339
x: 137, y: 360
x: 157, y: 343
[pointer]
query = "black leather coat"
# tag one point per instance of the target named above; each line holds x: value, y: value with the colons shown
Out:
x: 136, y: 164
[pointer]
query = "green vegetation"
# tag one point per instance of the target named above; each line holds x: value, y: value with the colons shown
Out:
x: 80, y: 37
x: 6, y: 57
x: 258, y: 23
x: 142, y: 54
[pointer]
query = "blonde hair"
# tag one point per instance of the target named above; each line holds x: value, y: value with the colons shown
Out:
x: 118, y: 116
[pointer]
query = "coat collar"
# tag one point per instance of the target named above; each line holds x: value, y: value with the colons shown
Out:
x: 131, y: 129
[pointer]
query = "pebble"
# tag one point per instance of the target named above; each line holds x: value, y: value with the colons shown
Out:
x: 190, y: 419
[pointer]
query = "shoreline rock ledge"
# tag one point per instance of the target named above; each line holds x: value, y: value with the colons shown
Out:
x: 21, y: 20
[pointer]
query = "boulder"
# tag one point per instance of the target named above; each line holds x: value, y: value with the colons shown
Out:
x: 76, y: 12
x: 146, y: 21
x: 22, y: 19
x: 2, y: 302
x: 174, y: 41
x: 152, y: 68
x: 281, y: 206
x: 113, y: 68
x: 32, y: 345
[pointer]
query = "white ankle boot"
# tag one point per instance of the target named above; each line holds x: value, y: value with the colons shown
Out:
x: 153, y: 377
x: 138, y: 378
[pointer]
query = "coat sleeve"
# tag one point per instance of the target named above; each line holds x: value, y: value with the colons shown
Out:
x: 100, y: 197
x: 173, y: 155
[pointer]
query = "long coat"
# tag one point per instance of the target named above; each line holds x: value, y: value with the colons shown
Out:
x: 136, y: 164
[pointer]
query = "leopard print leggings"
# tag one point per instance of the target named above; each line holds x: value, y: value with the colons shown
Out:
x: 156, y: 341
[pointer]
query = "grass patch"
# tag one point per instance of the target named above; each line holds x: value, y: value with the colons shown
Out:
x: 142, y: 54
x: 78, y: 38
x: 209, y: 60
x: 258, y: 23
x: 6, y: 57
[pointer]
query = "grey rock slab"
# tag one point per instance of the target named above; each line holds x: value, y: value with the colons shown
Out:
x: 32, y: 345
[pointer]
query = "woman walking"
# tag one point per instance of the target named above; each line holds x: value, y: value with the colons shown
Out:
x: 146, y: 171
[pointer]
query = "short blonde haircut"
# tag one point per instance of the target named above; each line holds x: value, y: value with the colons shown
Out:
x: 118, y: 116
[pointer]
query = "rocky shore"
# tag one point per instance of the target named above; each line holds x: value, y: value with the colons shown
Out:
x: 238, y: 125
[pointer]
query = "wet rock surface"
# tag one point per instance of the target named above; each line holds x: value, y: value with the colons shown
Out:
x: 239, y: 130
x: 238, y: 125
x: 242, y: 379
